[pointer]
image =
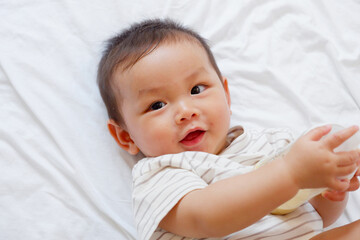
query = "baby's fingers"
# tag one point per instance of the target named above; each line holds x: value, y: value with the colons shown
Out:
x: 347, y: 171
x: 334, y: 195
x: 354, y: 184
x: 318, y: 132
x: 348, y: 158
x: 336, y: 139
x: 340, y: 184
x: 357, y: 173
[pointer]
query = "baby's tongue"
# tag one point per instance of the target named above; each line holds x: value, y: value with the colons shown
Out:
x: 192, y: 135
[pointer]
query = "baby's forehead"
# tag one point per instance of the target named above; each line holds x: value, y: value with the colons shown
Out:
x: 122, y: 78
x: 172, y: 40
x: 196, y: 47
x: 126, y: 68
x: 166, y: 52
x: 155, y: 64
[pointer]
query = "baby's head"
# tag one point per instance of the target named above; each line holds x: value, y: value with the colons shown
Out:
x: 163, y: 91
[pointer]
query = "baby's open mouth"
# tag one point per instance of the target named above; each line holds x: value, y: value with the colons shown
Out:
x: 193, y: 138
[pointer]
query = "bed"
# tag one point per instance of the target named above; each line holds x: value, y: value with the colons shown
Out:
x: 289, y: 64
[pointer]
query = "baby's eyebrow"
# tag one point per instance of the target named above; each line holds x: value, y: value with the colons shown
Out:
x: 156, y: 89
x: 144, y: 91
x: 195, y: 73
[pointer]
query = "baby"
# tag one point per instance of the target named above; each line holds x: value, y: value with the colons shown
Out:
x: 167, y: 99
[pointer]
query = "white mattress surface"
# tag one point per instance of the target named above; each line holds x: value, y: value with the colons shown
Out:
x: 289, y: 64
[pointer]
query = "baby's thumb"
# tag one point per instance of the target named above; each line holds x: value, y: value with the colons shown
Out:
x: 340, y: 184
x: 317, y: 133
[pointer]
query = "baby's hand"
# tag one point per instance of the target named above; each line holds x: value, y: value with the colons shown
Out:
x: 340, y: 195
x: 313, y: 163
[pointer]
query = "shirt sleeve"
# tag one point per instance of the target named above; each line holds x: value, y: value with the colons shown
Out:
x: 158, y: 184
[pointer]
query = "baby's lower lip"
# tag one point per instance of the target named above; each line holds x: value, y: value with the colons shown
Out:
x: 193, y: 138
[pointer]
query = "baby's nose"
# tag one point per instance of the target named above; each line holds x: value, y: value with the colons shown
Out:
x: 186, y: 111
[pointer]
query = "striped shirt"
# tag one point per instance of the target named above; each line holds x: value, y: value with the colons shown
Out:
x: 160, y: 182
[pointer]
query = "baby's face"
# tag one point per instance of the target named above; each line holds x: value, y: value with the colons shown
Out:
x: 173, y: 101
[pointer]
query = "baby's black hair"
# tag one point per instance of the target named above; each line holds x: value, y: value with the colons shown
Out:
x: 124, y: 50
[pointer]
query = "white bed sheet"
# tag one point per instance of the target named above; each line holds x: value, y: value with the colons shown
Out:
x: 289, y: 64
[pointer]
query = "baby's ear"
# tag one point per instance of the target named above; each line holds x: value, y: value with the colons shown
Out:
x: 226, y: 88
x: 122, y: 137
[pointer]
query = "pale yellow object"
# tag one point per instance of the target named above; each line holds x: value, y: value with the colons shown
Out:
x: 301, y: 197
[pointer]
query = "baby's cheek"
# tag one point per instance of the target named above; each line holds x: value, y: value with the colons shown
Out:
x: 158, y: 142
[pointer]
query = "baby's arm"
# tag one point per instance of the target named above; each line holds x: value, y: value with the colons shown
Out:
x: 232, y: 204
x: 350, y: 231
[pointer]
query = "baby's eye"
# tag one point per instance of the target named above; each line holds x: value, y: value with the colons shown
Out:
x: 156, y: 105
x: 197, y: 89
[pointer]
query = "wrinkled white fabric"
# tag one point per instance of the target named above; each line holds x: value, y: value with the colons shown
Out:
x: 289, y: 64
